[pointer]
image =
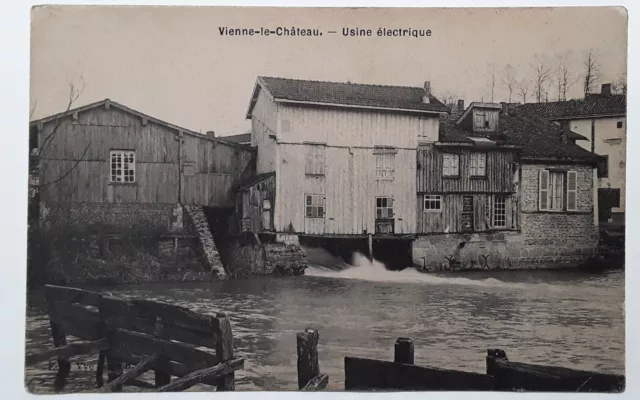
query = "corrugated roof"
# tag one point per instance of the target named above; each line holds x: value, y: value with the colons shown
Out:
x: 592, y: 106
x: 351, y: 94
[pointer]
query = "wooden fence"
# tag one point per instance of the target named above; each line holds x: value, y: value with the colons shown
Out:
x: 502, y: 375
x: 170, y: 340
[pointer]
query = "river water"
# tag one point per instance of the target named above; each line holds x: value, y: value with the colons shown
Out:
x: 562, y: 318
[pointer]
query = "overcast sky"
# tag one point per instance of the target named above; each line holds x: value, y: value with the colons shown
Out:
x: 173, y: 64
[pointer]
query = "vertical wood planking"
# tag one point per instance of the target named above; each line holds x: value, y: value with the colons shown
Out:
x: 224, y: 350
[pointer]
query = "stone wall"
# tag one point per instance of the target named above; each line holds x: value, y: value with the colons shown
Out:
x: 244, y: 259
x: 200, y: 224
x: 115, y: 217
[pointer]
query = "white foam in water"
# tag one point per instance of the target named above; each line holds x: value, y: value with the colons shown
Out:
x: 375, y: 271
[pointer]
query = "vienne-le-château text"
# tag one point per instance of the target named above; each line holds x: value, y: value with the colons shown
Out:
x: 293, y: 31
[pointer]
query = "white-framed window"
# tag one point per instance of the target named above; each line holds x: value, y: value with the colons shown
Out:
x: 552, y: 190
x: 314, y: 205
x: 316, y: 156
x: 385, y: 164
x: 123, y: 166
x: 499, y: 219
x: 384, y: 207
x: 432, y: 202
x: 478, y: 164
x: 450, y: 164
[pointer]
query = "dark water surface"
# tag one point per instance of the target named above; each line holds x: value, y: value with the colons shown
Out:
x: 562, y: 318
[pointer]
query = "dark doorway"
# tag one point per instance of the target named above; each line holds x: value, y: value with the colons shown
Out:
x: 607, y: 199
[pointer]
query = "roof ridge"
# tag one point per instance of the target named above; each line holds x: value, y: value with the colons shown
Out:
x: 341, y: 83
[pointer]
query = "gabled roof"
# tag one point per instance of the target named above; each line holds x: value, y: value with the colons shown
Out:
x: 111, y: 103
x: 349, y: 95
x: 595, y: 105
x: 491, y: 106
x: 536, y: 137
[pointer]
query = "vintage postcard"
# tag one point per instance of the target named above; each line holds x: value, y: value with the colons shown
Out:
x: 304, y: 199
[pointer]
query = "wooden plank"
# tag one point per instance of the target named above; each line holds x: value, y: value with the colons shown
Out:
x: 202, y: 375
x: 224, y: 350
x: 181, y: 317
x: 102, y: 357
x: 72, y: 295
x: 127, y: 342
x: 119, y: 314
x: 521, y: 376
x: 140, y: 368
x: 316, y: 383
x: 77, y: 320
x: 366, y: 374
x: 69, y: 350
x: 403, y: 351
x: 307, y: 348
x: 64, y: 366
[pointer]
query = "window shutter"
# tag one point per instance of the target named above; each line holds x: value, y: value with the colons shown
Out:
x: 543, y: 190
x: 572, y: 191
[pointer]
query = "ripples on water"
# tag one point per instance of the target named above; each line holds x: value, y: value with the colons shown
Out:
x: 562, y: 318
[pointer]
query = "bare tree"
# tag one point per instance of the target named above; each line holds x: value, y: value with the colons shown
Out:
x: 563, y: 76
x: 492, y: 82
x: 509, y: 80
x: 591, y: 72
x: 542, y: 76
x: 450, y: 99
x: 74, y: 95
x: 620, y: 85
x: 523, y: 89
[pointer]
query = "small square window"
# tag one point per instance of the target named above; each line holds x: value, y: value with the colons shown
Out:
x: 432, y: 202
x: 619, y: 124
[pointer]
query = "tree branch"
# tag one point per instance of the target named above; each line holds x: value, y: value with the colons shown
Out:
x: 75, y: 165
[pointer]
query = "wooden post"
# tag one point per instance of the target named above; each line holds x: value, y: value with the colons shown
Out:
x: 102, y: 357
x: 64, y: 366
x: 224, y: 351
x: 492, y: 356
x: 403, y: 353
x: 308, y: 366
x: 114, y: 368
x: 370, y: 241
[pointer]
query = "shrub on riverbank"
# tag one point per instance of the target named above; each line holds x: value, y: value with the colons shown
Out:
x: 69, y: 258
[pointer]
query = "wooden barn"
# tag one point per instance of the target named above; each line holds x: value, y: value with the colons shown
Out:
x: 342, y: 156
x: 106, y: 165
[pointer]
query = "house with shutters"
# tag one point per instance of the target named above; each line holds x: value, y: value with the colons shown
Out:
x: 600, y: 119
x: 501, y: 189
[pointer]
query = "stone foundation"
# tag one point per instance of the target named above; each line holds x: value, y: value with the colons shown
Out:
x: 246, y: 258
x: 199, y: 223
x: 150, y: 218
x: 503, y: 250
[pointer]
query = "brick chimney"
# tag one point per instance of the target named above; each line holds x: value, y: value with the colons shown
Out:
x: 606, y: 89
x: 211, y: 134
x: 460, y: 105
x: 427, y: 92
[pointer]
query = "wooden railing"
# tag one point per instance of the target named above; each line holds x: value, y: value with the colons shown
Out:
x: 502, y: 375
x: 170, y: 340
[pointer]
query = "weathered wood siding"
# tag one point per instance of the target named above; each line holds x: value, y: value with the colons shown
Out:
x: 349, y: 182
x: 263, y: 132
x: 211, y: 168
x: 253, y: 199
x: 350, y: 188
x: 341, y: 127
x: 449, y: 219
x: 499, y: 172
x: 210, y: 171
